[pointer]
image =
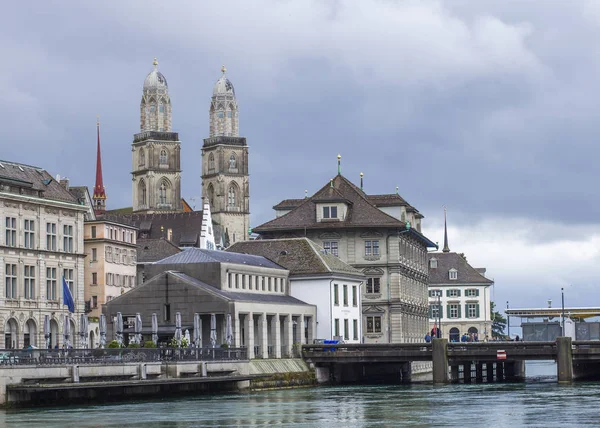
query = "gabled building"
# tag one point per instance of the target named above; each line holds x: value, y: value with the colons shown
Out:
x: 378, y: 235
x: 459, y: 296
x: 318, y: 278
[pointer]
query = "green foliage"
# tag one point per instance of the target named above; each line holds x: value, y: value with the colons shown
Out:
x: 224, y: 346
x: 149, y: 344
x: 133, y: 345
x: 498, y: 322
x: 184, y: 342
x: 113, y: 344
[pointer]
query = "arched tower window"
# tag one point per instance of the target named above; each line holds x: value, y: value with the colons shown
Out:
x: 152, y: 108
x: 211, y: 163
x: 162, y: 193
x: 232, y: 162
x: 211, y: 196
x: 142, y: 158
x: 163, y: 157
x: 232, y: 196
x: 142, y: 193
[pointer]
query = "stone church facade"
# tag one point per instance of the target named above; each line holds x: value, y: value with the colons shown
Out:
x: 225, y: 174
x: 156, y: 162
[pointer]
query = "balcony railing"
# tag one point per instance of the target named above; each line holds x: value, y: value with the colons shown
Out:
x: 156, y: 135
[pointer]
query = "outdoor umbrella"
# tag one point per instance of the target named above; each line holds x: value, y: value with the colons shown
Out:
x: 47, y: 330
x: 138, y: 328
x: 178, y: 328
x: 155, y: 329
x: 102, y: 331
x: 187, y: 338
x: 229, y: 331
x: 119, y: 329
x: 83, y: 328
x: 213, y: 330
x: 67, y: 332
x: 197, y: 331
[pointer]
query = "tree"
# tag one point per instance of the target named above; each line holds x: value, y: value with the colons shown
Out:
x: 498, y: 322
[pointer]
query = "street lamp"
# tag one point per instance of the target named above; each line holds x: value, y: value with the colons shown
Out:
x: 507, y: 320
x: 562, y: 292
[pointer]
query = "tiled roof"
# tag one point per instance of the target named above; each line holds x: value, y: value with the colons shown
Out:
x: 153, y: 250
x: 391, y: 200
x: 237, y: 296
x: 288, y: 204
x: 185, y: 226
x: 361, y: 212
x: 34, y: 179
x: 197, y: 255
x: 446, y: 261
x: 300, y: 256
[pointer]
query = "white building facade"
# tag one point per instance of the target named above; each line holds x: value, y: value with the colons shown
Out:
x: 41, y: 241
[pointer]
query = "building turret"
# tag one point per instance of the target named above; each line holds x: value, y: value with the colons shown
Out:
x: 155, y: 108
x: 224, y: 119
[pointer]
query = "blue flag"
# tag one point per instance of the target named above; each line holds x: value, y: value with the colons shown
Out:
x: 67, y: 298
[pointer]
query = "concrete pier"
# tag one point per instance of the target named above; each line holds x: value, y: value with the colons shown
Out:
x: 439, y: 355
x: 564, y: 360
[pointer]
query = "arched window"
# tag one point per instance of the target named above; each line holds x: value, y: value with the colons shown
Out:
x: 142, y: 157
x: 231, y: 197
x: 142, y: 193
x: 152, y: 108
x: 211, y: 162
x: 161, y: 108
x: 211, y: 196
x: 163, y: 157
x: 162, y: 193
x: 232, y: 162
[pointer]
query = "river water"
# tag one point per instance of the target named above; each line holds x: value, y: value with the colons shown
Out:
x: 538, y: 402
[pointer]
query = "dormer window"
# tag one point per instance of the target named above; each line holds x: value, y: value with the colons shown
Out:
x: 453, y: 274
x: 433, y: 264
x: 330, y: 212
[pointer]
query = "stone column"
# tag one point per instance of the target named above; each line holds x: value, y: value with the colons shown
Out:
x: 288, y: 331
x: 439, y: 356
x: 300, y: 330
x: 263, y: 337
x: 564, y: 360
x: 312, y: 329
x: 249, y: 332
x: 276, y: 335
x: 237, y: 338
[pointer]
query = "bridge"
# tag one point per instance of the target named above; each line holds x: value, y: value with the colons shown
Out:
x: 452, y: 361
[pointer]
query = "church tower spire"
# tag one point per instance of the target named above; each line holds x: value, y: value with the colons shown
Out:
x: 446, y: 248
x: 225, y: 182
x: 99, y: 197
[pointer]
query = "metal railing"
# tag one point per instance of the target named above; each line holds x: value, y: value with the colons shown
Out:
x: 41, y: 357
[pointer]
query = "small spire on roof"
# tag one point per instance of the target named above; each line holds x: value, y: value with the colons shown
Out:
x: 396, y: 190
x: 446, y: 248
x: 155, y: 63
x: 339, y: 164
x: 223, y: 69
x: 305, y: 194
x: 331, y: 183
x: 361, y: 180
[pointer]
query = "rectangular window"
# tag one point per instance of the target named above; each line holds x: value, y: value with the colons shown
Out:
x: 336, y: 297
x: 51, y: 236
x: 472, y: 292
x: 51, y: 284
x: 345, y: 288
x: 346, y: 329
x: 331, y: 247
x: 453, y: 292
x: 228, y: 114
x: 330, y: 212
x: 371, y: 248
x: 94, y: 255
x: 29, y: 233
x: 435, y: 293
x: 29, y: 282
x: 354, y: 296
x: 336, y: 327
x: 68, y: 275
x: 67, y: 238
x: 11, y: 232
x: 434, y: 311
x: 472, y: 310
x: 220, y: 115
x: 453, y: 274
x: 93, y: 231
x: 373, y: 285
x: 355, y: 329
x: 11, y: 281
x: 167, y: 312
x: 94, y: 302
x: 94, y: 278
x: 373, y: 324
x: 454, y: 311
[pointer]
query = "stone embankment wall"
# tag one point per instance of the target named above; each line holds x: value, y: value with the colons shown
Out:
x: 281, y: 373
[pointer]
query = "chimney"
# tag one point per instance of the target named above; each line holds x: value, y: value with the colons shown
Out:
x: 64, y: 182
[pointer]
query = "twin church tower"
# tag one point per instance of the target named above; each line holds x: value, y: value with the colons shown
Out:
x: 156, y: 156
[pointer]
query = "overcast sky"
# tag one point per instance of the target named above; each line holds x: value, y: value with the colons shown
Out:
x: 490, y: 108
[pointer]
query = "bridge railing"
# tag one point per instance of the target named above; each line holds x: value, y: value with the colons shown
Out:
x: 413, y: 351
x: 13, y: 357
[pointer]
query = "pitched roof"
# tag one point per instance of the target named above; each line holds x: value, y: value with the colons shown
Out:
x: 185, y: 226
x: 300, y: 256
x: 233, y: 295
x: 153, y: 250
x: 446, y: 261
x: 34, y: 181
x: 198, y: 255
x: 361, y: 212
x: 288, y: 204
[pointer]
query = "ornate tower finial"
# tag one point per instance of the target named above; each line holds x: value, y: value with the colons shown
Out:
x: 223, y: 69
x: 155, y: 63
x: 446, y: 248
x: 339, y: 164
x: 361, y: 180
x: 331, y: 183
x: 396, y: 190
x: 305, y: 194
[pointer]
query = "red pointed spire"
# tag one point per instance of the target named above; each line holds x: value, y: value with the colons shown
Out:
x: 99, y: 191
